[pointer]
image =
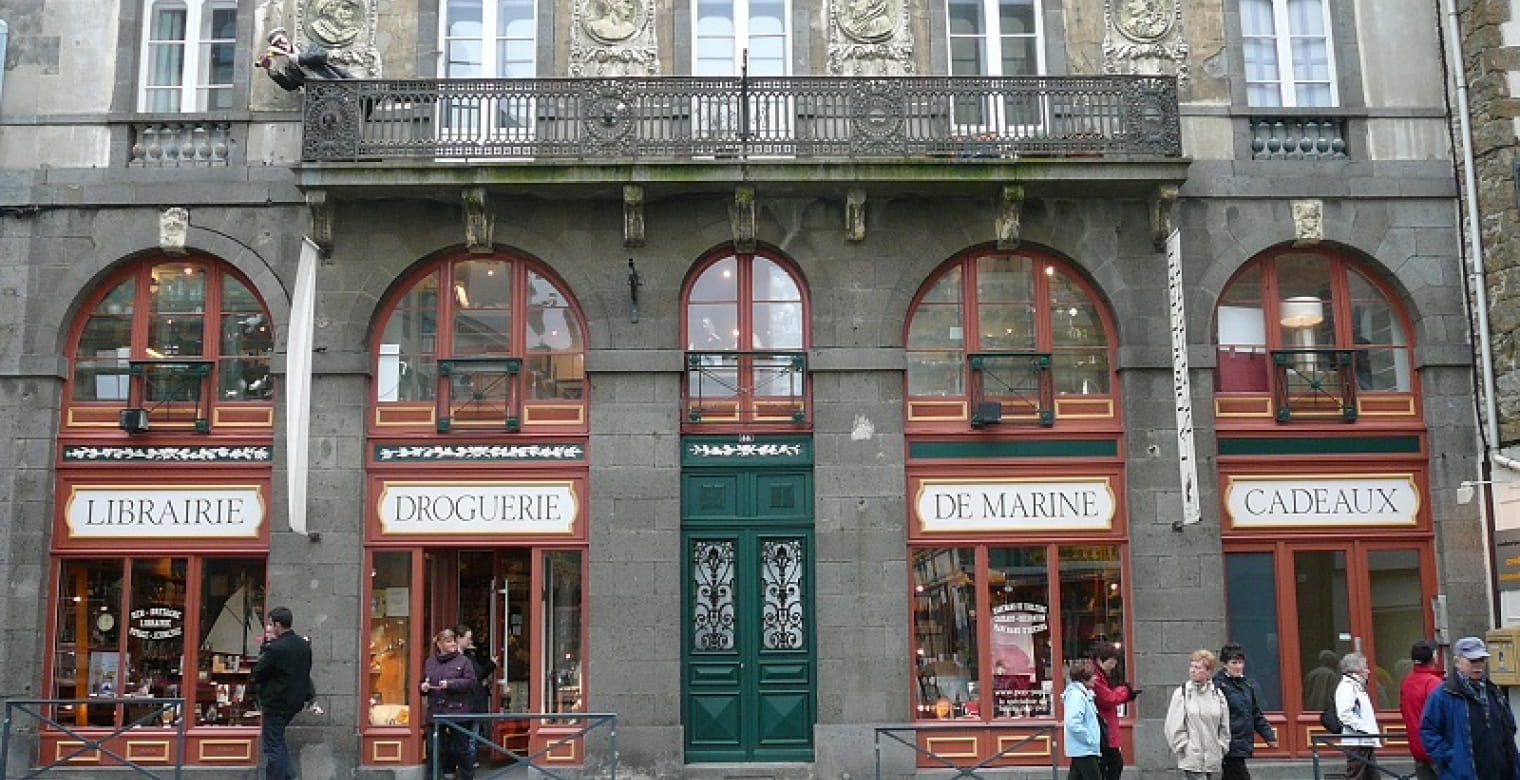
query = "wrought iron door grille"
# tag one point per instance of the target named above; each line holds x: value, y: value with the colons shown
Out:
x: 1011, y: 387
x: 746, y: 387
x: 480, y: 391
x: 1314, y: 383
x: 173, y: 391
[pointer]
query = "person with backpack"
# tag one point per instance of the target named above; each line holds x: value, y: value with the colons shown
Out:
x: 1198, y: 721
x: 1246, y: 718
x: 1353, y: 707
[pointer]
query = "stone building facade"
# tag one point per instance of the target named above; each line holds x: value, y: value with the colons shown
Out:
x: 767, y: 374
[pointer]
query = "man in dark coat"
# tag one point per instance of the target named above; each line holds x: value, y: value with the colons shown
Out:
x: 1246, y: 718
x: 1467, y: 727
x: 283, y: 677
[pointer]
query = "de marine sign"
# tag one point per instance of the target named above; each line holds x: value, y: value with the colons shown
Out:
x: 954, y: 505
x: 494, y: 507
x: 1350, y: 500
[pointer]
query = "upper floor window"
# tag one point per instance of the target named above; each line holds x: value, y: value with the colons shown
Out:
x: 746, y: 338
x: 1013, y: 328
x: 1313, y: 312
x: 729, y: 33
x: 482, y: 342
x: 188, y: 50
x: 1289, y: 57
x: 176, y: 337
x: 995, y: 38
x: 489, y: 39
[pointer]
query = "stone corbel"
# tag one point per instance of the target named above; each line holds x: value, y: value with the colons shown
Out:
x: 1163, y: 209
x: 479, y: 221
x: 855, y: 214
x: 741, y: 218
x: 173, y: 224
x: 322, y: 217
x: 633, y: 215
x: 1308, y: 222
x: 1010, y: 212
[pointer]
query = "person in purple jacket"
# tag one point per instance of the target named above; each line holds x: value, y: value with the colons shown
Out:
x: 449, y: 682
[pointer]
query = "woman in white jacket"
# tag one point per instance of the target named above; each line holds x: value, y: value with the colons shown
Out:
x: 1198, y: 721
x: 1354, y: 708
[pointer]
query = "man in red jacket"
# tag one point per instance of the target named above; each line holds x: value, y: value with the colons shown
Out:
x: 1425, y: 677
x: 1107, y: 698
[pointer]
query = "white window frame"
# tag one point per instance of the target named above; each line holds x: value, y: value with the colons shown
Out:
x: 994, y: 110
x: 462, y: 119
x: 490, y: 43
x: 1282, y: 37
x: 195, y: 87
x: 739, y: 16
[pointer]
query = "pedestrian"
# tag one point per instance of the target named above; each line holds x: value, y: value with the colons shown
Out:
x: 1425, y: 676
x: 480, y: 697
x: 448, y: 681
x: 283, y: 677
x: 1107, y: 697
x: 1082, y: 743
x: 1246, y: 718
x: 1467, y: 728
x: 1354, y: 707
x: 1198, y: 721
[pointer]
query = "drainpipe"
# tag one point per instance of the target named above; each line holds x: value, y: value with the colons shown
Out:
x: 1474, y: 227
x: 5, y: 36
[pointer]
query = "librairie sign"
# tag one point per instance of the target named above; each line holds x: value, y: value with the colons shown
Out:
x: 165, y: 511
x: 495, y: 507
x: 1350, y: 500
x: 952, y: 505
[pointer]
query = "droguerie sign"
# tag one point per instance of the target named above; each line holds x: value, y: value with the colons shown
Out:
x: 1353, y: 500
x: 506, y: 507
x: 1014, y: 505
x: 155, y: 512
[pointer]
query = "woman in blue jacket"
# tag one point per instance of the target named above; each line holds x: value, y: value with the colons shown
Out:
x: 1083, y: 742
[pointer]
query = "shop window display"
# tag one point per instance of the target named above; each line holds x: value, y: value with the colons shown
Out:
x: 1005, y: 619
x: 122, y: 631
x: 390, y: 626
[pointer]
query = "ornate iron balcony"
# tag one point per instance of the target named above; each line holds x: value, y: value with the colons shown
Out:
x: 674, y: 118
x: 746, y: 387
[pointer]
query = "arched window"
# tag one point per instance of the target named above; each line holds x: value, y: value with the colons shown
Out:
x: 746, y: 339
x: 1314, y: 329
x: 1008, y: 332
x: 176, y: 340
x: 482, y: 342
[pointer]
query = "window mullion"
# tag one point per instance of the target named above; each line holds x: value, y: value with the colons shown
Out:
x: 1282, y: 40
x: 190, y: 77
x: 992, y: 39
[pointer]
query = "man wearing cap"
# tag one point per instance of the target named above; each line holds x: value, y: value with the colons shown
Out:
x: 1467, y: 728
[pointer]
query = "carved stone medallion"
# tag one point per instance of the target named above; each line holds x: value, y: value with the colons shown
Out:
x: 335, y: 23
x: 869, y: 21
x: 610, y: 21
x: 1143, y: 20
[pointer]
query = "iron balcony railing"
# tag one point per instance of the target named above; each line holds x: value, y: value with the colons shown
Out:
x: 670, y: 118
x: 1315, y: 383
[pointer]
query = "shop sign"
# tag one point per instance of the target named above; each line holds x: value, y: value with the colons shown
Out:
x: 156, y: 622
x: 1371, y: 500
x: 504, y: 507
x: 1507, y: 545
x: 945, y: 506
x: 164, y: 511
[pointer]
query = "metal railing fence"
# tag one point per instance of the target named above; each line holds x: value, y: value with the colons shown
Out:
x: 38, y: 710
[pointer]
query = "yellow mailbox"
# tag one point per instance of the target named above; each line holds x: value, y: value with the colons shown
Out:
x: 1504, y: 655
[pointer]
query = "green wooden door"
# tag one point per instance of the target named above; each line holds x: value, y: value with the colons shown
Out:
x: 748, y: 633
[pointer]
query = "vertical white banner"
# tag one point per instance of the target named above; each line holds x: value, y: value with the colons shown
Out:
x: 303, y: 323
x: 1182, y: 386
